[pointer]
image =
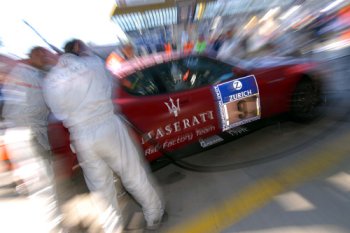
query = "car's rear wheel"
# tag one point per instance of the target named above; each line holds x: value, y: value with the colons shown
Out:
x: 305, y: 101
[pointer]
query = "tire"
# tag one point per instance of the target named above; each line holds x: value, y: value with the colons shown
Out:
x: 305, y: 101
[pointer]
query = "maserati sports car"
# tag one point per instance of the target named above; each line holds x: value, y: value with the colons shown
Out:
x: 174, y: 101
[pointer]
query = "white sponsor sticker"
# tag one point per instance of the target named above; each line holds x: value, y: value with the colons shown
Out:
x: 210, y: 141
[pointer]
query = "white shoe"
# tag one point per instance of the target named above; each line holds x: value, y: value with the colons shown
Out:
x: 155, y: 224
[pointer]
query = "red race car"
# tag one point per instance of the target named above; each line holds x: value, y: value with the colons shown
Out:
x: 172, y: 101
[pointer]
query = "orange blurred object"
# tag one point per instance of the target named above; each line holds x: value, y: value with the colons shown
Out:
x: 185, y: 77
x: 113, y: 61
x: 4, y: 158
x: 167, y: 48
x: 188, y: 46
x: 345, y: 35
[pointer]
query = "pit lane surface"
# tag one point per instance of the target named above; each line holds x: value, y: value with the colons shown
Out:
x: 301, y: 191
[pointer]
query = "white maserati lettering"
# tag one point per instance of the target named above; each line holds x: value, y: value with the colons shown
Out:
x: 178, y: 140
x: 160, y: 133
x: 169, y: 143
x: 186, y: 123
x: 195, y: 121
x: 241, y: 95
x: 178, y: 126
x: 151, y: 150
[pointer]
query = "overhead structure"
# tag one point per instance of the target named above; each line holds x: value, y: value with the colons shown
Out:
x: 229, y: 8
x: 132, y: 15
x: 147, y: 19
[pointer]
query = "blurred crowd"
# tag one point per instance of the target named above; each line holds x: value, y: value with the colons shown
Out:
x: 295, y: 32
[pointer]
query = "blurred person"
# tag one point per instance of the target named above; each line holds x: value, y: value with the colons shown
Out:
x: 218, y: 43
x: 227, y: 47
x: 234, y: 46
x: 128, y: 51
x: 200, y: 45
x: 143, y: 50
x: 167, y: 48
x: 174, y: 46
x: 79, y: 92
x: 25, y: 115
x: 6, y: 65
x: 188, y: 46
x: 153, y: 48
x: 24, y: 103
x: 244, y: 43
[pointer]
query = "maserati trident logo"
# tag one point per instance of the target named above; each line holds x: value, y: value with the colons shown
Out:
x: 173, y: 109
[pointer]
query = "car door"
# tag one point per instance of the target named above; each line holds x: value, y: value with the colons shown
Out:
x: 142, y: 101
x: 172, y: 103
x: 193, y: 94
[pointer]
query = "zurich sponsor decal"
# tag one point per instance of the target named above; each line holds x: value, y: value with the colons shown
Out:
x: 238, y: 101
x: 237, y: 89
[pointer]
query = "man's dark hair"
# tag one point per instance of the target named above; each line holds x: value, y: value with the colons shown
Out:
x: 69, y: 46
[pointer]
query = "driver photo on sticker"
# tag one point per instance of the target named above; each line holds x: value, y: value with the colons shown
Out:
x: 241, y: 109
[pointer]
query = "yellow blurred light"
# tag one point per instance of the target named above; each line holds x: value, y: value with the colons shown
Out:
x: 113, y: 10
x: 251, y: 23
x: 200, y: 11
x: 268, y: 28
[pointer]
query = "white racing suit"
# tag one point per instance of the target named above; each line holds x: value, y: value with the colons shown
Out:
x: 79, y: 91
x: 25, y: 115
x: 24, y: 102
